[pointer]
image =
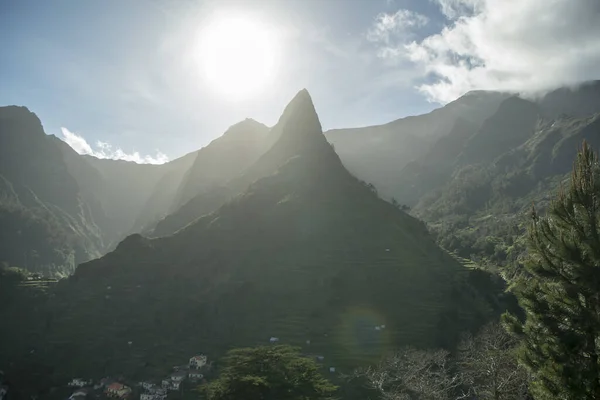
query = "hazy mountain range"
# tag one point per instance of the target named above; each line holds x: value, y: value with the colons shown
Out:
x: 298, y: 249
x: 88, y: 205
x: 270, y: 232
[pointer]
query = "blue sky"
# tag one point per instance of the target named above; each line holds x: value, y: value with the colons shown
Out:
x: 122, y: 72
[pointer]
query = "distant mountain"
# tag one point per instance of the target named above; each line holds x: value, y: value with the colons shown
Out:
x: 377, y: 153
x: 305, y: 252
x: 46, y: 226
x: 513, y: 127
x: 163, y: 196
x: 82, y: 206
x: 475, y: 185
x: 577, y: 101
x: 70, y: 208
x: 205, y: 185
x: 518, y: 173
x: 223, y: 159
x: 276, y: 150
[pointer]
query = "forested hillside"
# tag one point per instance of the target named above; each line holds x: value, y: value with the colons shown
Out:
x: 46, y: 225
x: 307, y: 252
x: 476, y: 195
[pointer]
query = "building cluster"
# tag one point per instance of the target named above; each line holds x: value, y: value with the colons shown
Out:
x: 110, y: 387
x: 192, y: 372
x: 148, y: 390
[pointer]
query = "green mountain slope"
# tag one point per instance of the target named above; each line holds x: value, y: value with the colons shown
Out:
x: 206, y: 185
x: 376, y: 153
x: 277, y: 149
x: 578, y: 101
x: 480, y: 209
x: 469, y: 149
x: 46, y: 224
x: 223, y: 159
x: 307, y: 252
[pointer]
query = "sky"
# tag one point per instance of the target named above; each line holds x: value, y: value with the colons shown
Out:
x: 128, y: 79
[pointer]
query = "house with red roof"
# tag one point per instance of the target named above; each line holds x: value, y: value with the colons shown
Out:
x: 118, y: 390
x: 198, y: 361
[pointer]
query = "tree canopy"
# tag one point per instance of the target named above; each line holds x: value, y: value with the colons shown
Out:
x: 268, y: 372
x: 559, y: 290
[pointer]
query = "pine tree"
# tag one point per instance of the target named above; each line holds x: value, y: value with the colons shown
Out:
x: 559, y: 290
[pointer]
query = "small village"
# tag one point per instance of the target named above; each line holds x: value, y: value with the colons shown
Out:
x: 118, y: 389
x: 192, y: 372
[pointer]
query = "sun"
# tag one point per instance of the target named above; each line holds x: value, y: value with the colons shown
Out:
x: 238, y: 56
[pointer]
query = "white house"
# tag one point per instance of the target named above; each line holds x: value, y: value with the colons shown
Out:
x: 198, y: 361
x: 331, y: 369
x: 175, y: 385
x: 78, y: 382
x: 377, y: 328
x: 195, y: 375
x: 178, y: 376
x: 274, y: 340
x: 165, y: 383
x: 147, y: 385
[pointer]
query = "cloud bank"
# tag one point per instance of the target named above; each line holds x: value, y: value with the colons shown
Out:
x: 106, y: 150
x: 512, y: 45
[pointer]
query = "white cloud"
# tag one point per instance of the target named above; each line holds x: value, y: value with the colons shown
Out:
x: 512, y: 45
x: 106, y: 150
x: 453, y: 9
x: 389, y: 29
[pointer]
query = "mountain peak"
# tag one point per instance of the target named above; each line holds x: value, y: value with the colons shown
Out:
x: 301, y: 102
x: 27, y: 119
x: 302, y: 94
x: 299, y: 118
x: 299, y: 130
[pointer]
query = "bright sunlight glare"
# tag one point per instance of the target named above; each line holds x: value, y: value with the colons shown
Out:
x: 238, y: 56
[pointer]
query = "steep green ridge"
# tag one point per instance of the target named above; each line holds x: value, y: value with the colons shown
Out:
x: 46, y: 224
x: 223, y: 159
x: 206, y: 185
x: 479, y: 209
x: 307, y: 252
x: 509, y: 127
x: 61, y: 208
x: 375, y: 154
x: 578, y: 101
x: 283, y: 148
x: 378, y: 154
x: 433, y: 170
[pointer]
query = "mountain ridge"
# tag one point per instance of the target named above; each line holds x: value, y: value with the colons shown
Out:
x: 307, y: 251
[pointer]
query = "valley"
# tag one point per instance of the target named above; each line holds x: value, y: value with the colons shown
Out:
x: 314, y: 238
